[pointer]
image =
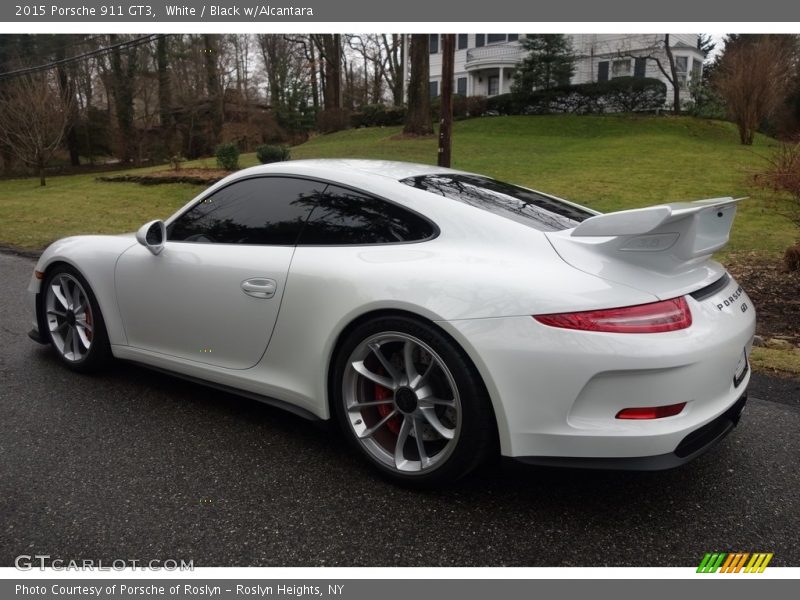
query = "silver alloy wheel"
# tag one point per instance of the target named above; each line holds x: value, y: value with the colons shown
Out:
x: 69, y: 317
x: 402, y: 402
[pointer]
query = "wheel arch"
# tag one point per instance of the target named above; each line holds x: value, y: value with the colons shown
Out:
x: 342, y: 336
x: 94, y: 257
x: 51, y: 266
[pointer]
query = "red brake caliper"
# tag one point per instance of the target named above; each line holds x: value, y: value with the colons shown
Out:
x: 381, y: 393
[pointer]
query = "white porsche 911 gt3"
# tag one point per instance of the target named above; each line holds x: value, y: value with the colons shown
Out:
x: 437, y: 315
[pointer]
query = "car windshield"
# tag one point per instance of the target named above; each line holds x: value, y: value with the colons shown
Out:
x: 530, y: 208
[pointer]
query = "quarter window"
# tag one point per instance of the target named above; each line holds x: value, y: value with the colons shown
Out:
x: 348, y: 217
x: 260, y: 210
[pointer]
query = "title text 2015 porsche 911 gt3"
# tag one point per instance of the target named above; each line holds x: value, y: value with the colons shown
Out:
x: 437, y: 315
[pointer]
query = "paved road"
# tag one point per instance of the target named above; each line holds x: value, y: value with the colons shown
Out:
x: 138, y: 465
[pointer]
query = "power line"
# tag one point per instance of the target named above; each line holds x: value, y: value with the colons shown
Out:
x: 98, y: 52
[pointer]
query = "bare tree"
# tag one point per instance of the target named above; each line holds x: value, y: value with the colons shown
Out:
x: 165, y: 94
x: 370, y: 51
x: 446, y: 122
x: 329, y: 46
x: 123, y: 77
x: 66, y: 82
x: 660, y: 52
x: 394, y: 48
x: 214, y: 86
x: 754, y: 77
x: 418, y: 117
x: 33, y: 118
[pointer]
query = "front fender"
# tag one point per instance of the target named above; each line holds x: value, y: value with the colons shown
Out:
x: 95, y: 257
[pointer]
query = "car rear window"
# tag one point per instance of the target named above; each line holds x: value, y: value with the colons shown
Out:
x: 536, y: 210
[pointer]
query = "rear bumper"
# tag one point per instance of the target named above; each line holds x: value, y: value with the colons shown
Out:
x: 556, y: 392
x: 693, y: 445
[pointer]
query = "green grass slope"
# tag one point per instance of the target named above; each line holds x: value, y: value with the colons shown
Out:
x: 605, y: 162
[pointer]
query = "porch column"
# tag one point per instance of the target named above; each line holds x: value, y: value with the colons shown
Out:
x: 500, y: 82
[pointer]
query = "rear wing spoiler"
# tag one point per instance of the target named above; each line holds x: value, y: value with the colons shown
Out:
x: 689, y: 230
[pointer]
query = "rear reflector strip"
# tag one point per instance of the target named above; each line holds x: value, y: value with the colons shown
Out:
x: 651, y: 412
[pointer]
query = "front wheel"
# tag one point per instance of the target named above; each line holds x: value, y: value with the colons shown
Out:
x: 411, y: 401
x: 75, y: 326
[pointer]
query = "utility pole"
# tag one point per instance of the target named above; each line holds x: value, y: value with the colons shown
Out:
x: 446, y: 120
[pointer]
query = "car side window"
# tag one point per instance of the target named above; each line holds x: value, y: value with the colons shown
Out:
x: 259, y: 210
x: 345, y: 216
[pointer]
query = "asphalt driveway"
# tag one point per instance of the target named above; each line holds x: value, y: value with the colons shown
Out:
x: 137, y: 465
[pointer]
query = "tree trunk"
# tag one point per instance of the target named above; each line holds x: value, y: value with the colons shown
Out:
x: 123, y: 80
x: 400, y: 87
x: 330, y: 47
x: 42, y: 182
x: 67, y: 86
x: 213, y: 87
x: 446, y: 122
x: 676, y: 88
x: 165, y: 95
x: 418, y: 116
x: 314, y: 89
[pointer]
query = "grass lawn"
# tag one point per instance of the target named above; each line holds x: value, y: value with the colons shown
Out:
x: 606, y: 162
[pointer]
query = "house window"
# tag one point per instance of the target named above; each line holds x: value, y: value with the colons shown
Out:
x: 433, y: 89
x: 496, y: 38
x: 639, y: 68
x: 461, y: 86
x: 480, y: 40
x: 494, y: 85
x: 697, y: 70
x: 513, y: 37
x: 682, y: 68
x: 434, y: 43
x: 621, y: 68
x: 463, y: 41
x: 602, y: 71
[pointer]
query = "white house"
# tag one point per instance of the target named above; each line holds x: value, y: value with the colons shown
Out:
x: 485, y: 62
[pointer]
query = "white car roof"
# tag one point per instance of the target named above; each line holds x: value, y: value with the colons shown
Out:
x: 390, y: 169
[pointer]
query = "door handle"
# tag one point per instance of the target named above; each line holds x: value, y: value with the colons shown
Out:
x: 259, y: 287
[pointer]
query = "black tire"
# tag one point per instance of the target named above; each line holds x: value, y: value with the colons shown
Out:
x: 475, y: 430
x: 84, y: 360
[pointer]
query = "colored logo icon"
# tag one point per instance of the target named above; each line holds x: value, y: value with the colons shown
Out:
x: 734, y: 562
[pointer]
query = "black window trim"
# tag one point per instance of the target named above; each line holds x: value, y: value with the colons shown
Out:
x: 327, y: 182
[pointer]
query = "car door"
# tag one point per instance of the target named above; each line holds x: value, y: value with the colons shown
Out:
x: 213, y: 294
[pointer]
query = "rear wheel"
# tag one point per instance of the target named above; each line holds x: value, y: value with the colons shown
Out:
x: 75, y: 326
x: 409, y: 399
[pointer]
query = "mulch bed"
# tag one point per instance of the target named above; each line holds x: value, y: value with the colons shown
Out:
x: 775, y: 294
x: 191, y: 176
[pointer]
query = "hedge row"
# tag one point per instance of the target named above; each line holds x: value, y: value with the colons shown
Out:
x: 621, y: 94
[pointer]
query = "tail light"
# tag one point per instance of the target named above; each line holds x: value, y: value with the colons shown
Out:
x: 667, y: 315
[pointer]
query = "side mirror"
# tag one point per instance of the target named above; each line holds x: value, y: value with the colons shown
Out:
x: 152, y: 236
